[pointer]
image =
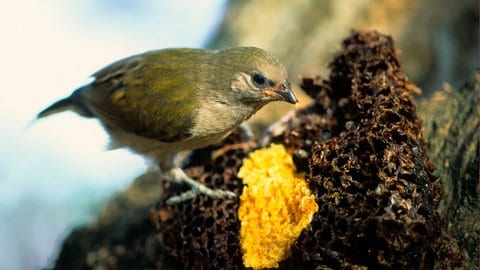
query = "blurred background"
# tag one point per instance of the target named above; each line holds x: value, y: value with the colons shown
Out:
x: 55, y: 174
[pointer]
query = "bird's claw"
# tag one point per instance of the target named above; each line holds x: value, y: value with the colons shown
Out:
x: 197, y: 188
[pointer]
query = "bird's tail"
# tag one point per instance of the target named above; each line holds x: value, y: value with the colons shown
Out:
x: 73, y: 103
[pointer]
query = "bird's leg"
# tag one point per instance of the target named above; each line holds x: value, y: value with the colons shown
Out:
x: 196, y: 189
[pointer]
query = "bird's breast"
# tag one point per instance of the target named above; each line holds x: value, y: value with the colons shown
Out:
x: 215, y: 121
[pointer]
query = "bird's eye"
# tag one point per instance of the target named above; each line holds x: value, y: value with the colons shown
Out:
x: 260, y: 80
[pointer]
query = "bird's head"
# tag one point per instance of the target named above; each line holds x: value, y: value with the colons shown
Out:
x: 255, y: 76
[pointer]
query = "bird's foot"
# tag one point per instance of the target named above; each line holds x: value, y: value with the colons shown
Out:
x: 197, y: 188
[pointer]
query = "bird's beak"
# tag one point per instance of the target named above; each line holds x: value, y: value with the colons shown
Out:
x: 282, y: 92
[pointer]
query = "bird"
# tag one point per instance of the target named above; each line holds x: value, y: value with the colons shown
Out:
x: 163, y: 102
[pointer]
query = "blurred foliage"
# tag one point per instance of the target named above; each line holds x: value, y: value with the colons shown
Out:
x: 438, y: 39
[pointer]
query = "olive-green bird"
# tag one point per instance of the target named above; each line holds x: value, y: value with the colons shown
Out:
x: 162, y: 102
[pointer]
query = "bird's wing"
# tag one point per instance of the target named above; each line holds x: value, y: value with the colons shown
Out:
x: 151, y: 95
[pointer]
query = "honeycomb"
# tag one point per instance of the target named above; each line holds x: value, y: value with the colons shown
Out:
x: 204, y: 233
x: 360, y: 145
x: 375, y: 186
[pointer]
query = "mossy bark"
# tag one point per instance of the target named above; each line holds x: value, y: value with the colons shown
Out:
x: 451, y: 128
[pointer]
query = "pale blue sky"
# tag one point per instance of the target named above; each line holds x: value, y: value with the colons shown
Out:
x: 55, y: 173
